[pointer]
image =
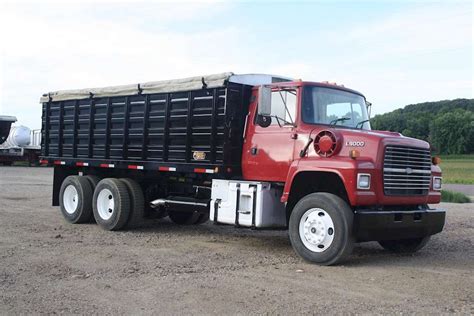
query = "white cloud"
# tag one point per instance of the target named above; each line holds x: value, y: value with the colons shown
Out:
x: 395, y: 60
x: 49, y: 51
x: 416, y: 55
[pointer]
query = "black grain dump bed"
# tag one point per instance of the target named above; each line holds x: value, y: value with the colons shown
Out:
x: 187, y: 125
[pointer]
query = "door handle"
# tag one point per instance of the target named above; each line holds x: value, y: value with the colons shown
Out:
x: 253, y: 151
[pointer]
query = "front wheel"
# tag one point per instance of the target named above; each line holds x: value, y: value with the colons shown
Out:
x: 320, y: 228
x: 405, y: 245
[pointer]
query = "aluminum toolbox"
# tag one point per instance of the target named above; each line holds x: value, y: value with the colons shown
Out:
x: 245, y: 203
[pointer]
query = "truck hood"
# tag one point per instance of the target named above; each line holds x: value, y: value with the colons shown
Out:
x: 371, y: 144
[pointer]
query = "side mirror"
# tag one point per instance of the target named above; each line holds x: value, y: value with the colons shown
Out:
x: 264, y: 111
x: 265, y: 101
x: 369, y: 107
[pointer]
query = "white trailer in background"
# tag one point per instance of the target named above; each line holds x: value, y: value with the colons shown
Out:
x: 21, y: 144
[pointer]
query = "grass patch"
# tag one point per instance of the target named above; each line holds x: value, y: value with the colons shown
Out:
x: 454, y: 197
x: 458, y: 169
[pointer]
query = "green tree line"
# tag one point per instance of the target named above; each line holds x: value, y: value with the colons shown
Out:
x: 448, y: 125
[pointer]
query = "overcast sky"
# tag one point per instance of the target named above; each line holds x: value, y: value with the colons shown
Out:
x: 396, y: 53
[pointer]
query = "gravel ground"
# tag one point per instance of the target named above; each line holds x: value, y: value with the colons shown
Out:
x: 49, y: 266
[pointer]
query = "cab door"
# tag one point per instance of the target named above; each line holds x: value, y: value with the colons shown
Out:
x: 268, y: 151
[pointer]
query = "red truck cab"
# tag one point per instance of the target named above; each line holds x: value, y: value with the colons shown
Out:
x: 316, y: 138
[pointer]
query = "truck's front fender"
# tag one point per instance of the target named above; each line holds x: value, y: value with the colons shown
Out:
x: 346, y: 170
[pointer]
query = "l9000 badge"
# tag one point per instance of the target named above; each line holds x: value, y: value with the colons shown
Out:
x: 355, y: 143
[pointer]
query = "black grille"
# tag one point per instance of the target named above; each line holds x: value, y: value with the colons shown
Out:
x: 406, y: 171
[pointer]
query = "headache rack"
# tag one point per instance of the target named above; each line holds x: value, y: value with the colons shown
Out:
x: 199, y: 129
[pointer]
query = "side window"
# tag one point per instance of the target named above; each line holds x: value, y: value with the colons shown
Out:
x: 279, y: 99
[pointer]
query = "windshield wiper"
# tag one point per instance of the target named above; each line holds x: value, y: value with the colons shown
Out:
x: 361, y: 123
x: 341, y: 119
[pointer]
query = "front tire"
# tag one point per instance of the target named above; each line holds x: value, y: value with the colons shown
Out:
x: 320, y: 229
x: 75, y: 199
x: 405, y: 245
x: 111, y: 204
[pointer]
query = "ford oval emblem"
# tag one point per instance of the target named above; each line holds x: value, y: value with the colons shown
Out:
x: 409, y: 170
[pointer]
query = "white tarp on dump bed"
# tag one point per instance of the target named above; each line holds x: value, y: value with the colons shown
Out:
x: 186, y: 84
x: 7, y: 118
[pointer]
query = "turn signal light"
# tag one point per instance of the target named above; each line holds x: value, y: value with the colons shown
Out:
x: 436, y: 160
x: 354, y: 153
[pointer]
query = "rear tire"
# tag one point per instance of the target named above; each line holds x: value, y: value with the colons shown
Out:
x: 137, y: 201
x: 202, y: 219
x: 75, y: 199
x: 184, y: 218
x: 111, y: 204
x: 404, y: 245
x: 320, y: 229
x: 93, y: 180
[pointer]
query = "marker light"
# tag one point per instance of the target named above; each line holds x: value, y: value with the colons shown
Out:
x: 436, y: 160
x: 354, y: 153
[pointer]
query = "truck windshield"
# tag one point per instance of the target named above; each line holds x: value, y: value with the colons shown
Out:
x: 329, y: 106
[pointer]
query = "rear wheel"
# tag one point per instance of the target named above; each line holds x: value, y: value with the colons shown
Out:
x: 111, y: 204
x: 75, y: 199
x: 184, y: 218
x: 320, y: 228
x: 137, y: 201
x: 202, y: 219
x: 405, y: 245
x: 93, y: 180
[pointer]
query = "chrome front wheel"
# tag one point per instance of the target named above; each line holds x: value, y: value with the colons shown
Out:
x: 320, y: 228
x: 316, y: 230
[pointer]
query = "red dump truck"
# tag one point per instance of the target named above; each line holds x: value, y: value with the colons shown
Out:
x: 253, y: 151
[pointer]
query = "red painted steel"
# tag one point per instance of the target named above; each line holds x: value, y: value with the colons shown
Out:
x: 272, y: 154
